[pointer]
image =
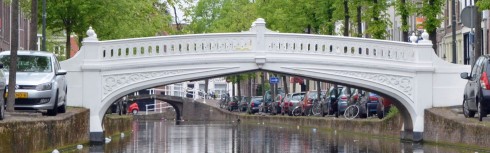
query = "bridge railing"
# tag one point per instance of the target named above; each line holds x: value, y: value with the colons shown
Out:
x: 258, y: 39
x: 174, y: 45
x: 339, y: 46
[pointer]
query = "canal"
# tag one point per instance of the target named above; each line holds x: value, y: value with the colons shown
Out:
x: 197, y: 137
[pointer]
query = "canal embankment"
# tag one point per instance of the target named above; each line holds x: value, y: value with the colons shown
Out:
x: 28, y: 132
x: 449, y: 126
x: 35, y: 132
x: 115, y: 124
x: 446, y: 125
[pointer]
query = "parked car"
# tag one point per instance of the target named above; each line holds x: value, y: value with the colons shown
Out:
x: 476, y: 97
x: 254, y: 104
x: 369, y: 102
x: 291, y: 101
x: 307, y: 103
x: 40, y: 83
x: 336, y: 101
x: 269, y: 100
x: 223, y: 102
x: 119, y: 107
x: 233, y: 104
x: 133, y: 108
x: 243, y: 104
x: 276, y: 104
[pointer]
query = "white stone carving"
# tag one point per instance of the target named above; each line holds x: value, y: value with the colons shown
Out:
x: 116, y: 81
x: 404, y: 84
x: 413, y: 38
x: 92, y: 36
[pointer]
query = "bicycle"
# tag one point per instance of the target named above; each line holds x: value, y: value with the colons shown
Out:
x: 353, y: 111
x: 316, y: 108
x: 296, y: 111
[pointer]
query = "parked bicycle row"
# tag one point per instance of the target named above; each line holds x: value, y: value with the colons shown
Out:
x: 337, y: 101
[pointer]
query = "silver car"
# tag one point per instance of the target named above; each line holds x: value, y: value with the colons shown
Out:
x: 40, y: 82
x: 2, y: 91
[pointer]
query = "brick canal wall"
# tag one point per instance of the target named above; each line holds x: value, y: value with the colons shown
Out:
x: 116, y: 124
x: 390, y: 127
x: 445, y: 126
x: 33, y: 134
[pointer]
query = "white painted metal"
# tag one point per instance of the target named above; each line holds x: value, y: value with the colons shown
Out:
x: 103, y: 71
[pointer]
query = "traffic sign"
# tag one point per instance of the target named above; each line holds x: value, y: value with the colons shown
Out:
x: 468, y: 16
x: 274, y: 80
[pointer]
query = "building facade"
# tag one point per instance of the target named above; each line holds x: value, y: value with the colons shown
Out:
x: 6, y: 27
x: 464, y: 34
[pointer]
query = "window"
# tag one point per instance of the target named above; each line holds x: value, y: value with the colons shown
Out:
x: 476, y: 68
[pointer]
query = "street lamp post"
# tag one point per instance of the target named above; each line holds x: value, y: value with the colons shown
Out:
x: 44, y: 26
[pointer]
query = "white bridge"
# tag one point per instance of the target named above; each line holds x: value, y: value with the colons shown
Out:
x: 103, y: 71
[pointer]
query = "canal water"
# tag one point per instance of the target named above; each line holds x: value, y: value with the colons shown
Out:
x: 218, y: 137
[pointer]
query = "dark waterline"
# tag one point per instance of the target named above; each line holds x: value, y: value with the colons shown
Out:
x: 204, y: 137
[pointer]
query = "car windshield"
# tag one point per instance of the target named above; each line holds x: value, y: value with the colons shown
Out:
x: 28, y: 63
x: 257, y: 99
x: 313, y: 95
x: 297, y: 97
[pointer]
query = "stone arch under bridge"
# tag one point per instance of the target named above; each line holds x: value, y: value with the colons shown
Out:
x: 103, y: 71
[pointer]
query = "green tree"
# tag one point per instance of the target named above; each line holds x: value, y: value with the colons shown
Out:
x: 112, y: 19
x: 221, y: 16
x: 14, y: 46
x: 377, y: 19
x: 404, y: 9
x: 70, y: 16
x: 483, y: 4
x: 431, y: 9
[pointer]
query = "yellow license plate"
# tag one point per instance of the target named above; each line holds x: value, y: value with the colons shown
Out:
x: 18, y: 95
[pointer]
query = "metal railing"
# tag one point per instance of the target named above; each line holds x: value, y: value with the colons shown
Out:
x: 155, y: 108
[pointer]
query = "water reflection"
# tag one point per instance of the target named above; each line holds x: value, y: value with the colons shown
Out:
x: 165, y: 136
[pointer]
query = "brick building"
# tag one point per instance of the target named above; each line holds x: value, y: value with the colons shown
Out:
x: 5, y: 28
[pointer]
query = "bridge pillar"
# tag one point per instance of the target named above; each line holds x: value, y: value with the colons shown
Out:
x: 96, y: 131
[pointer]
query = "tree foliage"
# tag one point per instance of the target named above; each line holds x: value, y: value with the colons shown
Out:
x: 377, y: 19
x: 431, y: 9
x: 483, y: 4
x: 112, y: 19
x: 221, y: 16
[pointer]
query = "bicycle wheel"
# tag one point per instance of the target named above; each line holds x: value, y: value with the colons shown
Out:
x: 296, y: 111
x: 316, y: 109
x: 351, y: 112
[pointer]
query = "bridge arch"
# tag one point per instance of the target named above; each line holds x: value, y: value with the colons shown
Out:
x: 408, y: 72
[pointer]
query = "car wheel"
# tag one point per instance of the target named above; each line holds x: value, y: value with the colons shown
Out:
x: 54, y: 111
x: 135, y: 111
x: 481, y: 112
x: 466, y: 110
x: 62, y: 108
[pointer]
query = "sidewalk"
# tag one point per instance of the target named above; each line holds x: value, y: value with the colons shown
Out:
x: 210, y: 102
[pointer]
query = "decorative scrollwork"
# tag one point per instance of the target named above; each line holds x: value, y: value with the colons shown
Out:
x: 402, y: 83
x: 114, y: 82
